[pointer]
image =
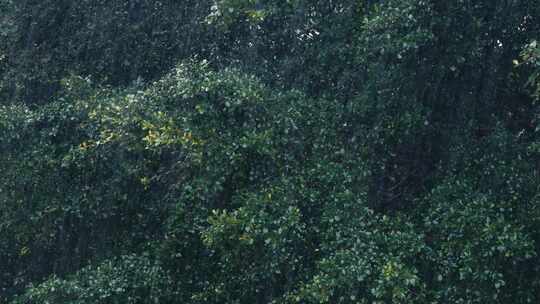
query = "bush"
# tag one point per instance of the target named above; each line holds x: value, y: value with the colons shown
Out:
x: 128, y: 279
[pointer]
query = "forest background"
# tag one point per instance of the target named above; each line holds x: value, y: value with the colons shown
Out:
x: 269, y: 151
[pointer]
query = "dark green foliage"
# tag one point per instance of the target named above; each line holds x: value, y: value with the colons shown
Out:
x: 241, y: 151
x: 128, y: 279
x: 116, y: 42
x: 61, y: 199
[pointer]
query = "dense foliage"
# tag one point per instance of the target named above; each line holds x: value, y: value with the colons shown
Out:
x: 265, y: 151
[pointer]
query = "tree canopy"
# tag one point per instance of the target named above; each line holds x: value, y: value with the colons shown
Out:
x: 269, y: 151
